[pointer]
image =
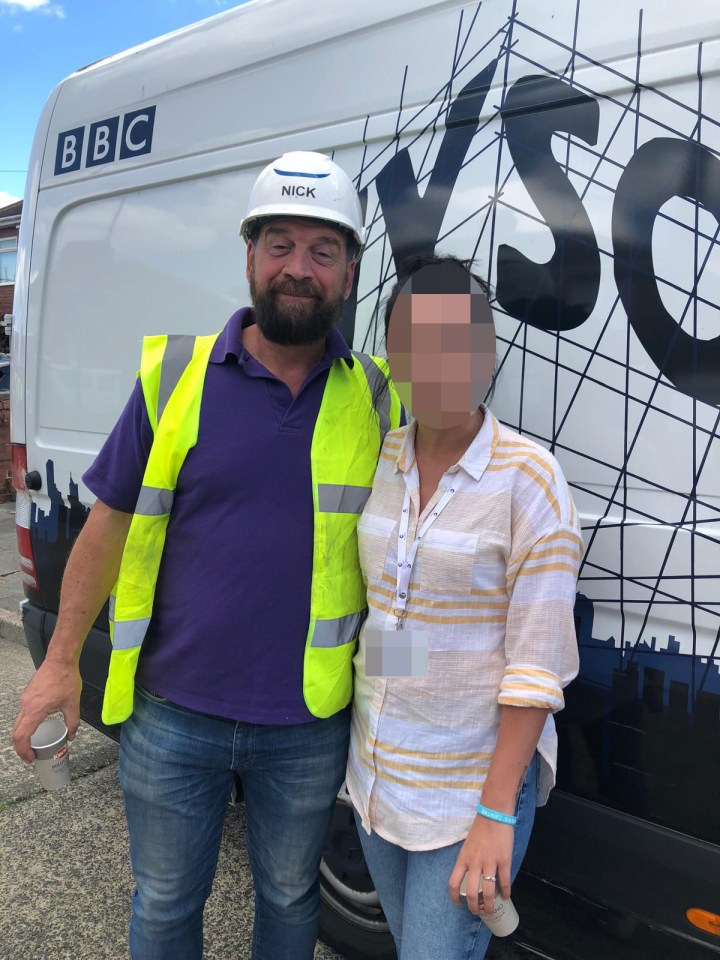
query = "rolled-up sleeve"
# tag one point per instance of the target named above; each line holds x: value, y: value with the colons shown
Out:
x: 540, y: 642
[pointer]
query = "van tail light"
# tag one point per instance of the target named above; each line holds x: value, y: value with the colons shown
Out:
x: 704, y: 920
x: 23, y: 511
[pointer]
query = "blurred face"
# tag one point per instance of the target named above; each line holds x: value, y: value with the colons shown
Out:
x: 441, y: 349
x: 299, y: 277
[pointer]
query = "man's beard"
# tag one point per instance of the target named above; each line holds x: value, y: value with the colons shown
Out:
x: 294, y: 325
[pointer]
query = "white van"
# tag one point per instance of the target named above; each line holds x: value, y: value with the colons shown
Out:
x: 573, y: 150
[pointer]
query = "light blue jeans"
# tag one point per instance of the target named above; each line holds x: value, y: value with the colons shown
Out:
x: 176, y: 772
x: 413, y: 889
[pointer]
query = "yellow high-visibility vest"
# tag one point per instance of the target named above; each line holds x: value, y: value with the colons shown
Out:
x: 348, y: 434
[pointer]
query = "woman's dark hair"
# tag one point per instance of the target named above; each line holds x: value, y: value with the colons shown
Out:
x: 435, y: 274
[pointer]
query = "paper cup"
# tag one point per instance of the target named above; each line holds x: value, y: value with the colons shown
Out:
x: 504, y: 919
x: 52, y: 762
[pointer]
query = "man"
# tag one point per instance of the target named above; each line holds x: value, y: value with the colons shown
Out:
x: 227, y: 500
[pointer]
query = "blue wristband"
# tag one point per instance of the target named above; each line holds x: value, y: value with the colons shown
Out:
x: 496, y: 815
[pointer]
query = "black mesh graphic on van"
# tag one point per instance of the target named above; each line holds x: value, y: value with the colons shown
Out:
x: 593, y: 195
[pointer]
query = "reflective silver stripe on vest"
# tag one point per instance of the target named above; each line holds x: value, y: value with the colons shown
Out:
x: 111, y: 606
x: 178, y: 353
x: 342, y: 498
x: 129, y: 633
x: 154, y: 501
x: 333, y: 633
x: 376, y: 381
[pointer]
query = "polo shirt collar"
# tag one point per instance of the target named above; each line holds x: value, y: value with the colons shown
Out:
x: 230, y: 343
x: 474, y: 460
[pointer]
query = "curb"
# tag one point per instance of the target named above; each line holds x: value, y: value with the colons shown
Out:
x: 11, y: 627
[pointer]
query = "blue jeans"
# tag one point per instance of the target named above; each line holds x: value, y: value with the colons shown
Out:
x: 413, y: 889
x: 176, y: 771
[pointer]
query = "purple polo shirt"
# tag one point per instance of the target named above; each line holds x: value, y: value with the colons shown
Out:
x: 232, y: 604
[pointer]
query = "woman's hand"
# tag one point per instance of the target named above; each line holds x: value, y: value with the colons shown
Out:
x: 487, y: 852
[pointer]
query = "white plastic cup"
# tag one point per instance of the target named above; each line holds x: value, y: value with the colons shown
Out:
x: 52, y: 760
x: 504, y: 919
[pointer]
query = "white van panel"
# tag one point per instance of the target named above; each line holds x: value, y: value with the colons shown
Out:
x: 114, y: 261
x: 149, y: 242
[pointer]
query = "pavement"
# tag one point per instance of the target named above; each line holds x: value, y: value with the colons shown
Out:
x: 11, y: 591
x: 66, y: 880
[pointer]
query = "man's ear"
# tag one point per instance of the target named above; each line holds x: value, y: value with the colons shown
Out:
x: 350, y: 274
x: 250, y: 256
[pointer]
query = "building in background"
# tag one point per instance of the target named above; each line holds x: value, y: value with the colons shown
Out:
x: 9, y: 227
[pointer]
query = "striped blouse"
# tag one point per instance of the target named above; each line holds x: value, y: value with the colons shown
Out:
x: 487, y: 620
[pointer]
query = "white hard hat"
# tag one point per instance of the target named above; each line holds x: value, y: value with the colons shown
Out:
x: 305, y: 184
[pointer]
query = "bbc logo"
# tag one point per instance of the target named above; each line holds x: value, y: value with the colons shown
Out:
x: 107, y: 141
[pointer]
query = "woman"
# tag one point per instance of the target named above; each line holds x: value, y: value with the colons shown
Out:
x: 470, y: 548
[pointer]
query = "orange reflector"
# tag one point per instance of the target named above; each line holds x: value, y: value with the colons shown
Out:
x: 704, y: 920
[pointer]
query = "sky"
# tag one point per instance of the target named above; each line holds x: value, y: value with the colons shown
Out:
x: 43, y: 41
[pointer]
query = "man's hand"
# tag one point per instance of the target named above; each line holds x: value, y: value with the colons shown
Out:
x: 55, y: 688
x: 91, y: 571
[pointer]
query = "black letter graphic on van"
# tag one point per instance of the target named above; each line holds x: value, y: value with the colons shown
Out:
x: 137, y: 133
x: 559, y: 294
x: 661, y: 169
x: 413, y: 224
x: 68, y: 155
x: 102, y: 141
